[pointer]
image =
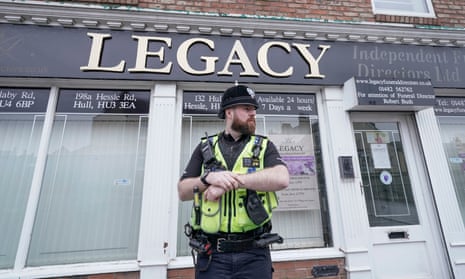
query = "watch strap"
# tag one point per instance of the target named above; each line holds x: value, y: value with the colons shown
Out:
x: 203, y: 178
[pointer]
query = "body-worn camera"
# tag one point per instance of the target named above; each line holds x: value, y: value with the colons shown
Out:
x: 209, y: 160
x: 207, y: 153
x: 255, y: 208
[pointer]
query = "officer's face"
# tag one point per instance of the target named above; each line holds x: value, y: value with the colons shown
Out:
x: 243, y: 119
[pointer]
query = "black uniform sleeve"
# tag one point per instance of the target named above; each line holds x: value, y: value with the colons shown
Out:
x: 272, y: 156
x: 194, y: 167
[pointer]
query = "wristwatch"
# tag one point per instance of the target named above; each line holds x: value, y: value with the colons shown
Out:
x: 203, y: 178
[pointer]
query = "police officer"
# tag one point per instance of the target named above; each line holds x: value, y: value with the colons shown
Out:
x: 232, y: 178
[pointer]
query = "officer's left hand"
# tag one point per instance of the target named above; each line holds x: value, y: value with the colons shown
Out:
x: 227, y: 180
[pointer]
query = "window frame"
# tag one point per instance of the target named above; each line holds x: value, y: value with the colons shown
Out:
x: 277, y: 255
x: 428, y: 3
x: 443, y: 122
x: 20, y: 269
x: 124, y: 245
x: 327, y: 226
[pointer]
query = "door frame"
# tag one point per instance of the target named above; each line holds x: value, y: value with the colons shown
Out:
x: 421, y: 190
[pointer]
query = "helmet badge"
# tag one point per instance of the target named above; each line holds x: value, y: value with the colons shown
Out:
x: 251, y: 92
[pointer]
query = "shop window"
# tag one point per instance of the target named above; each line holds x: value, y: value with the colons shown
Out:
x: 90, y: 199
x: 404, y: 7
x: 21, y: 122
x: 291, y: 122
x: 452, y: 126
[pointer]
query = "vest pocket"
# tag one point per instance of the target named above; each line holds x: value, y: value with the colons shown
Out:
x: 210, y: 219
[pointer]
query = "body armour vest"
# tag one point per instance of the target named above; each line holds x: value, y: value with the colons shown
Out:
x: 229, y: 214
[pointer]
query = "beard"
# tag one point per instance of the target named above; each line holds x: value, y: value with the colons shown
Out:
x: 244, y: 127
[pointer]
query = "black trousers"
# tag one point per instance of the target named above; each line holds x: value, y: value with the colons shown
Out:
x: 253, y: 263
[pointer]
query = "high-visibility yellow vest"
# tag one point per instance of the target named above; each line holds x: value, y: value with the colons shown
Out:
x: 229, y: 214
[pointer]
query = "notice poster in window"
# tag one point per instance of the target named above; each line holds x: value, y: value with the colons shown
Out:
x: 459, y: 144
x: 379, y: 150
x: 297, y: 152
x: 380, y: 155
x: 378, y: 137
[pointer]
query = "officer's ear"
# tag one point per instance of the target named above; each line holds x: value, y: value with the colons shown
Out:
x: 228, y: 113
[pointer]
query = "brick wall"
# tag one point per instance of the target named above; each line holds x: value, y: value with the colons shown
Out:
x: 283, y: 270
x: 449, y: 12
x: 303, y: 269
x: 317, y: 9
x: 120, y: 275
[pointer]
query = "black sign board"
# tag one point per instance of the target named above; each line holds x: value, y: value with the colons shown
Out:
x: 103, y: 101
x: 24, y: 100
x: 400, y: 94
x: 450, y: 106
x: 62, y: 52
x: 208, y: 103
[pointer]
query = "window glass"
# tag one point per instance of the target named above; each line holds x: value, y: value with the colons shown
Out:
x: 89, y: 205
x: 403, y: 7
x: 302, y: 217
x: 453, y: 140
x: 385, y: 177
x: 21, y: 122
x: 19, y: 141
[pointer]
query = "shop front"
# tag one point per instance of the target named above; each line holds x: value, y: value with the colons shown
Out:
x: 98, y: 123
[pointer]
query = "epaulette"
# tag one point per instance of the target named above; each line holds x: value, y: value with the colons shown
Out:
x: 261, y: 136
x: 209, y: 137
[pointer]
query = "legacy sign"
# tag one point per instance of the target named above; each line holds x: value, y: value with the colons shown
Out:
x: 36, y: 51
x: 237, y: 56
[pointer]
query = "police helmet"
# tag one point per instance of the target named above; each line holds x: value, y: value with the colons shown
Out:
x: 237, y: 95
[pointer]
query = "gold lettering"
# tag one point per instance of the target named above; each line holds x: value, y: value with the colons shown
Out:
x: 237, y: 56
x: 263, y: 59
x: 312, y: 63
x: 184, y: 63
x: 238, y: 51
x: 96, y: 55
x: 142, y: 53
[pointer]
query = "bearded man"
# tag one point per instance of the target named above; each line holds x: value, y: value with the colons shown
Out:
x: 232, y: 178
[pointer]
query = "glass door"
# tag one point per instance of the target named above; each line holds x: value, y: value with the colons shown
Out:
x: 386, y: 181
x: 405, y: 237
